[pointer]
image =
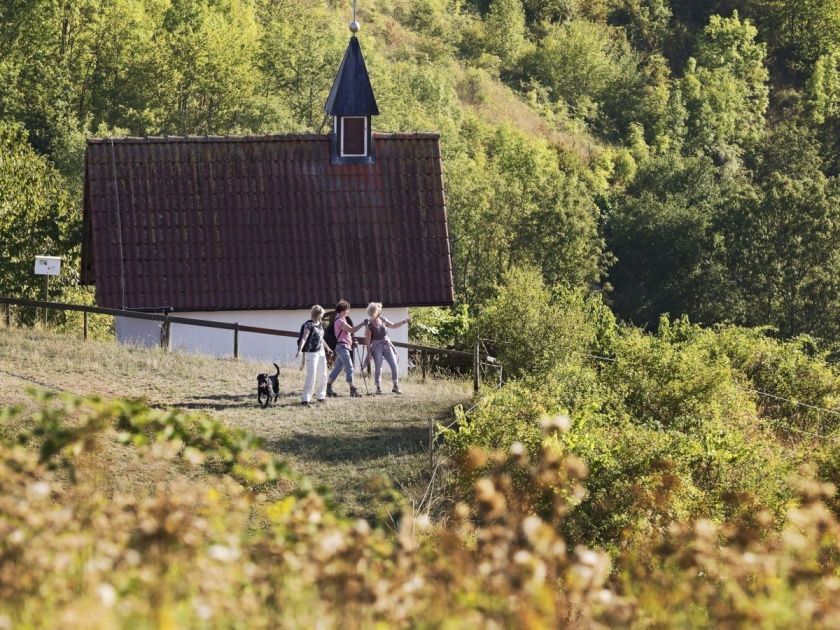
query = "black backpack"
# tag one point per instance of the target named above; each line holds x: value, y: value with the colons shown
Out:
x: 311, y: 344
x: 329, y: 335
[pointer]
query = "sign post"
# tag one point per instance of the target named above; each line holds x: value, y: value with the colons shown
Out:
x: 47, y: 266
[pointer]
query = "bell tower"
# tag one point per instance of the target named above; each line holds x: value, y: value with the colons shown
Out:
x: 352, y: 105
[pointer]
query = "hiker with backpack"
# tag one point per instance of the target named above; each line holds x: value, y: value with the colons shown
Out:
x: 379, y: 345
x: 343, y: 331
x: 311, y: 344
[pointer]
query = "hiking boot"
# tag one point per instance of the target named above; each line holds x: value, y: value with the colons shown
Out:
x: 396, y: 389
x: 331, y: 391
x: 378, y: 389
x: 354, y: 393
x: 305, y: 403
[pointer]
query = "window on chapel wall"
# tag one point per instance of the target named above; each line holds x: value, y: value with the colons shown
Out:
x: 354, y: 136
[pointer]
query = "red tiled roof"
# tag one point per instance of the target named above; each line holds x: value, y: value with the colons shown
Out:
x: 203, y: 223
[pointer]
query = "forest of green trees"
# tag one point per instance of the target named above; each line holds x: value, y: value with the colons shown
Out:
x: 677, y: 157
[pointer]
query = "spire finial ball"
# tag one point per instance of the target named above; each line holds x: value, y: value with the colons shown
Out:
x: 354, y: 26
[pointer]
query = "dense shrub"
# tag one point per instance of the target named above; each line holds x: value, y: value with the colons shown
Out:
x: 699, y: 522
x: 643, y: 479
x: 732, y: 575
x: 788, y: 371
x: 670, y: 427
x: 501, y: 418
x: 827, y: 457
x: 672, y: 380
x: 209, y: 550
x: 532, y: 329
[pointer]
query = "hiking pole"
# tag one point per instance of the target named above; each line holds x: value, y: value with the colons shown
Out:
x: 364, y: 374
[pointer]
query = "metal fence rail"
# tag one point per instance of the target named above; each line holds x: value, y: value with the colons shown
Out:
x: 425, y: 355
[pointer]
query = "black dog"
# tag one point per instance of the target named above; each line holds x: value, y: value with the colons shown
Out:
x: 268, y: 384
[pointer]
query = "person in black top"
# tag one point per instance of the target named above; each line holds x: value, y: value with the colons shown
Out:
x: 315, y: 356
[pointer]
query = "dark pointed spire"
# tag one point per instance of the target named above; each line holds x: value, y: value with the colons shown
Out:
x: 352, y: 93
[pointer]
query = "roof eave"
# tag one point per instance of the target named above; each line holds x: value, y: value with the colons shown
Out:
x: 301, y: 307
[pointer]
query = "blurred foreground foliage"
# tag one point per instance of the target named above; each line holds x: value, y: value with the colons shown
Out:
x: 246, y: 543
x: 250, y: 543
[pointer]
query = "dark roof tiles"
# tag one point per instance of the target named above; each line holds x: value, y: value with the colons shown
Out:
x: 252, y: 222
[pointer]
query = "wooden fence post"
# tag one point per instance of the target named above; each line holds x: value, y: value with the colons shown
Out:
x: 431, y: 448
x: 8, y: 315
x: 476, y: 369
x: 85, y: 324
x: 164, y: 332
x: 236, y: 340
x: 423, y: 364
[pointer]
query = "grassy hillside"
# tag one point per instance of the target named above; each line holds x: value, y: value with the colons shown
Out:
x: 343, y: 444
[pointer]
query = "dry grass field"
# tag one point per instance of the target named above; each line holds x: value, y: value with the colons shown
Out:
x: 343, y: 444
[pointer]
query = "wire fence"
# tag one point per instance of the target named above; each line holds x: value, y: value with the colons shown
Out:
x: 764, y: 394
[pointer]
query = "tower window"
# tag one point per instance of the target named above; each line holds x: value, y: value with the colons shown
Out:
x: 354, y: 136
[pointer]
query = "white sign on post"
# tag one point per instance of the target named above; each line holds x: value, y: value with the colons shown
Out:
x: 47, y: 265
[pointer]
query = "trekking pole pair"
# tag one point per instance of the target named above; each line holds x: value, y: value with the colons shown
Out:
x: 364, y: 372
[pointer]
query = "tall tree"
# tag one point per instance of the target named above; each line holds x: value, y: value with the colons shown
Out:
x: 510, y: 204
x: 799, y: 32
x: 505, y: 25
x: 665, y: 233
x: 121, y: 77
x: 38, y: 40
x: 298, y: 62
x: 785, y: 247
x: 646, y: 22
x: 36, y: 215
x: 582, y: 64
x: 726, y: 89
x: 822, y: 107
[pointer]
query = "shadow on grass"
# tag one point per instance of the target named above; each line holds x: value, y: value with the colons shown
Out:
x: 205, y: 406
x: 224, y: 402
x: 43, y: 384
x: 375, y: 443
x: 236, y: 397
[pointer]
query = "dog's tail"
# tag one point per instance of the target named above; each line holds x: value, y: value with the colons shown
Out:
x: 276, y: 367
